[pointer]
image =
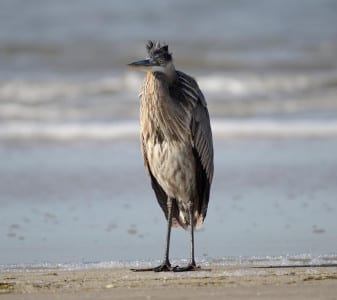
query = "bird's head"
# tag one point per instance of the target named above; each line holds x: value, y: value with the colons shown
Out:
x: 159, y: 59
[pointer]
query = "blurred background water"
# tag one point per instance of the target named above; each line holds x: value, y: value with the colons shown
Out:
x: 72, y: 185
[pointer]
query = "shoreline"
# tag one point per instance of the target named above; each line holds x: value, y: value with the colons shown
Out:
x: 237, y: 282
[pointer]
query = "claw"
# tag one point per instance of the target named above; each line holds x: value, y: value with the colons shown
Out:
x: 189, y: 267
x: 163, y: 268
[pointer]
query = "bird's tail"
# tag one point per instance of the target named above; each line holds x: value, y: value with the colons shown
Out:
x: 183, y: 220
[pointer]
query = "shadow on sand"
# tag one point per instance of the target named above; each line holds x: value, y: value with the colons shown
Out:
x: 298, y: 266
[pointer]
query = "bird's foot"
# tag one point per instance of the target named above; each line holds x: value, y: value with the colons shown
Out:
x: 164, y: 267
x: 190, y: 267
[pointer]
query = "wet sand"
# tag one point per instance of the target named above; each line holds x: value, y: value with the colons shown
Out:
x: 92, y: 202
x: 234, y: 282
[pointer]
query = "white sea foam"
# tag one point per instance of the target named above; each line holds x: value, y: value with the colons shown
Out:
x: 259, y: 84
x: 130, y: 129
x: 40, y: 91
x: 274, y: 128
x: 238, y: 84
x: 69, y: 131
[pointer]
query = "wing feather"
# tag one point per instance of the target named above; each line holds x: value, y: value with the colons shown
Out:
x: 202, y: 142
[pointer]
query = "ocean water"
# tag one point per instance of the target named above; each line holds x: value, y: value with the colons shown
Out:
x: 63, y: 63
x: 72, y: 185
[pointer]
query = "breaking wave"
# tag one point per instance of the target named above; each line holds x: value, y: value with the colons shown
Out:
x: 36, y: 91
x: 108, y: 107
x: 130, y: 129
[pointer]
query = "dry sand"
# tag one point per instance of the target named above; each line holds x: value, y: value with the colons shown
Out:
x: 230, y: 282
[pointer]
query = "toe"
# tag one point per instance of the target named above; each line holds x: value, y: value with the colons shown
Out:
x: 190, y: 267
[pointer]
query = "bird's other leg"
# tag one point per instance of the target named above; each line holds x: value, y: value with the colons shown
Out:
x: 165, y: 266
x: 192, y: 265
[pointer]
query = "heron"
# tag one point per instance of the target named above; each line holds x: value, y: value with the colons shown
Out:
x: 177, y: 146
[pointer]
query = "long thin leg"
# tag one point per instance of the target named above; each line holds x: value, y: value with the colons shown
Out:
x: 192, y: 262
x: 166, y: 261
x: 192, y: 265
x: 166, y: 265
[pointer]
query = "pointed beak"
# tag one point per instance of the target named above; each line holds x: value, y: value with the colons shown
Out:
x: 144, y: 65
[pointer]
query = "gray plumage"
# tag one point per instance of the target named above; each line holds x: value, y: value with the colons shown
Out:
x: 176, y: 142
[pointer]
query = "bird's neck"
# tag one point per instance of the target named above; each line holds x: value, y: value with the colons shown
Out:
x: 169, y: 72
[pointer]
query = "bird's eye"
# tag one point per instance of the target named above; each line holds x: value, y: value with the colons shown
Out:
x: 160, y: 60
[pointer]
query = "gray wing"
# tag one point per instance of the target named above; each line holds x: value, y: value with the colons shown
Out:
x: 202, y: 142
x: 202, y: 138
x: 203, y: 153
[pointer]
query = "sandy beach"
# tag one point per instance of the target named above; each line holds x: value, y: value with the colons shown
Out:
x: 232, y: 282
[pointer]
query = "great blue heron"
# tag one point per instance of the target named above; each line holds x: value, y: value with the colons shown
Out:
x: 176, y: 142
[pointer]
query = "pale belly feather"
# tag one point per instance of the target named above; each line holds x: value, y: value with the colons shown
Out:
x: 172, y: 166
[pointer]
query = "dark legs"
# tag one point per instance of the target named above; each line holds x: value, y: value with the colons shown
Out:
x: 192, y: 265
x: 192, y: 237
x: 166, y: 265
